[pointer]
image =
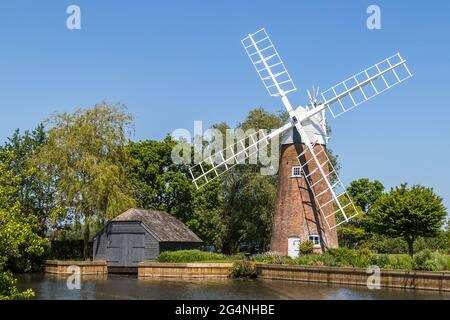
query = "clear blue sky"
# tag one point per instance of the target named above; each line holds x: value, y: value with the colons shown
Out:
x: 174, y: 62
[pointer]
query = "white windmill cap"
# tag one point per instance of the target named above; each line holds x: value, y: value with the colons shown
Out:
x: 314, y: 128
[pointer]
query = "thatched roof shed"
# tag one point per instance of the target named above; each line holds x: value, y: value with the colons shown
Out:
x: 162, y: 224
x: 139, y: 235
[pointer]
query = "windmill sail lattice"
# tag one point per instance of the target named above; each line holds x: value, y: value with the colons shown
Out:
x: 268, y: 63
x: 333, y: 203
x: 365, y: 85
x: 217, y: 164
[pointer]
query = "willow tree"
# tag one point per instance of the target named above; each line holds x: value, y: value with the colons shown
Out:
x: 86, y: 157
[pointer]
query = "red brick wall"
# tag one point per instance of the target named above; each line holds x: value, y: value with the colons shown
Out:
x: 296, y: 213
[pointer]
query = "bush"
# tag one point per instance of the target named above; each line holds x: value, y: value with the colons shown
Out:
x: 310, y: 260
x: 306, y: 247
x: 425, y: 260
x: 333, y: 257
x: 443, y: 260
x: 243, y: 269
x: 362, y: 258
x: 392, y: 261
x: 383, y: 244
x: 380, y: 260
x: 440, y: 242
x: 237, y: 256
x: 346, y: 257
x: 68, y: 250
x: 272, y: 258
x: 337, y: 257
x: 8, y: 288
x: 26, y: 263
x: 191, y: 256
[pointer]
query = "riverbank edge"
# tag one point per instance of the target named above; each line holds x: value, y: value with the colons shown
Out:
x: 404, y: 279
x: 98, y: 267
x: 389, y: 278
x: 183, y: 270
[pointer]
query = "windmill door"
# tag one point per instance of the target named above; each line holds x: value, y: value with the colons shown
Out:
x: 293, y: 247
x: 124, y: 250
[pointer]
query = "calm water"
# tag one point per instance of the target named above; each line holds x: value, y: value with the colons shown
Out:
x: 130, y: 287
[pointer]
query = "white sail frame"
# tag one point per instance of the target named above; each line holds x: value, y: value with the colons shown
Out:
x: 268, y: 63
x: 336, y: 195
x: 365, y: 85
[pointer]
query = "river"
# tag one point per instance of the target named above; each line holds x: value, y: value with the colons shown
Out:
x: 130, y: 287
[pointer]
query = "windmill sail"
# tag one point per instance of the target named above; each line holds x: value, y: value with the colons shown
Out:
x: 216, y: 165
x: 365, y: 85
x: 268, y: 63
x: 330, y: 196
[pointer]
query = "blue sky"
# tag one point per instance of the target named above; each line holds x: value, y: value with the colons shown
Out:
x: 174, y: 62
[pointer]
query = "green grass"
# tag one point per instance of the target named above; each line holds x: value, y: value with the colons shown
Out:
x: 181, y: 256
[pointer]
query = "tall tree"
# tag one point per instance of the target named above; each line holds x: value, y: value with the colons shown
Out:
x: 408, y: 213
x: 248, y: 208
x: 249, y: 204
x: 364, y: 193
x: 34, y: 195
x: 86, y: 155
x: 18, y: 231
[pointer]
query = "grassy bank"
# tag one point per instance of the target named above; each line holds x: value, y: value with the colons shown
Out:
x: 185, y: 256
x: 343, y: 257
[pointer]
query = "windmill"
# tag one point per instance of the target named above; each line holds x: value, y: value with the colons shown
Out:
x: 311, y: 199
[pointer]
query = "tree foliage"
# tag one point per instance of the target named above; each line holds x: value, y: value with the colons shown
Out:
x: 160, y: 183
x: 34, y: 194
x: 365, y: 192
x: 248, y: 209
x: 408, y: 213
x: 249, y: 197
x: 87, y: 158
x: 18, y: 231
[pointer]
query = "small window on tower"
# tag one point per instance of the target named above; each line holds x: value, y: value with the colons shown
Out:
x: 315, y: 239
x: 296, y: 171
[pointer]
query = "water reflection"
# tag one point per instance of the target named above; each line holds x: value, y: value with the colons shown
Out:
x: 130, y: 287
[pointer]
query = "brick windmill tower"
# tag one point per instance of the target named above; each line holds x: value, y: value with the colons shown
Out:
x: 297, y: 217
x: 311, y: 201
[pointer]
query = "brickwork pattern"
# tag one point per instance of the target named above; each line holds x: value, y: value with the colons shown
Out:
x: 296, y: 213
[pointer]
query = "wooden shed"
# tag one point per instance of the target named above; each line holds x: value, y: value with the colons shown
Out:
x: 140, y: 235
